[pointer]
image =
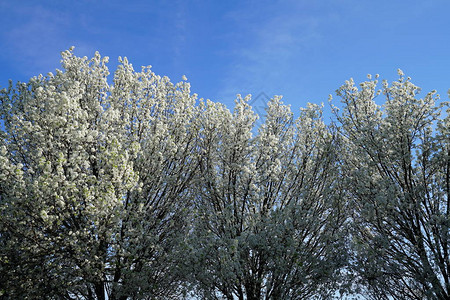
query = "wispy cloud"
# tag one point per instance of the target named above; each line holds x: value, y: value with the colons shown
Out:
x: 33, y: 42
x: 270, y: 41
x: 179, y: 32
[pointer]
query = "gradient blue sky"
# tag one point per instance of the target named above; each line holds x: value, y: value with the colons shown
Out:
x: 303, y: 50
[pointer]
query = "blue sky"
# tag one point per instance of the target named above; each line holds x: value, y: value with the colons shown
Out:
x: 303, y: 50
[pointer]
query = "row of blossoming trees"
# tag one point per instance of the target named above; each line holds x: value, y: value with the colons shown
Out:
x: 137, y: 190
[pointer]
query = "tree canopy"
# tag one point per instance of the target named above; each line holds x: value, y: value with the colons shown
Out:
x: 397, y: 170
x: 131, y: 187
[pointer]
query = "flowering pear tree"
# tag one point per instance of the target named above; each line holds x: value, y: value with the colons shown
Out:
x: 397, y: 172
x: 268, y: 222
x: 128, y: 188
x: 93, y: 182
